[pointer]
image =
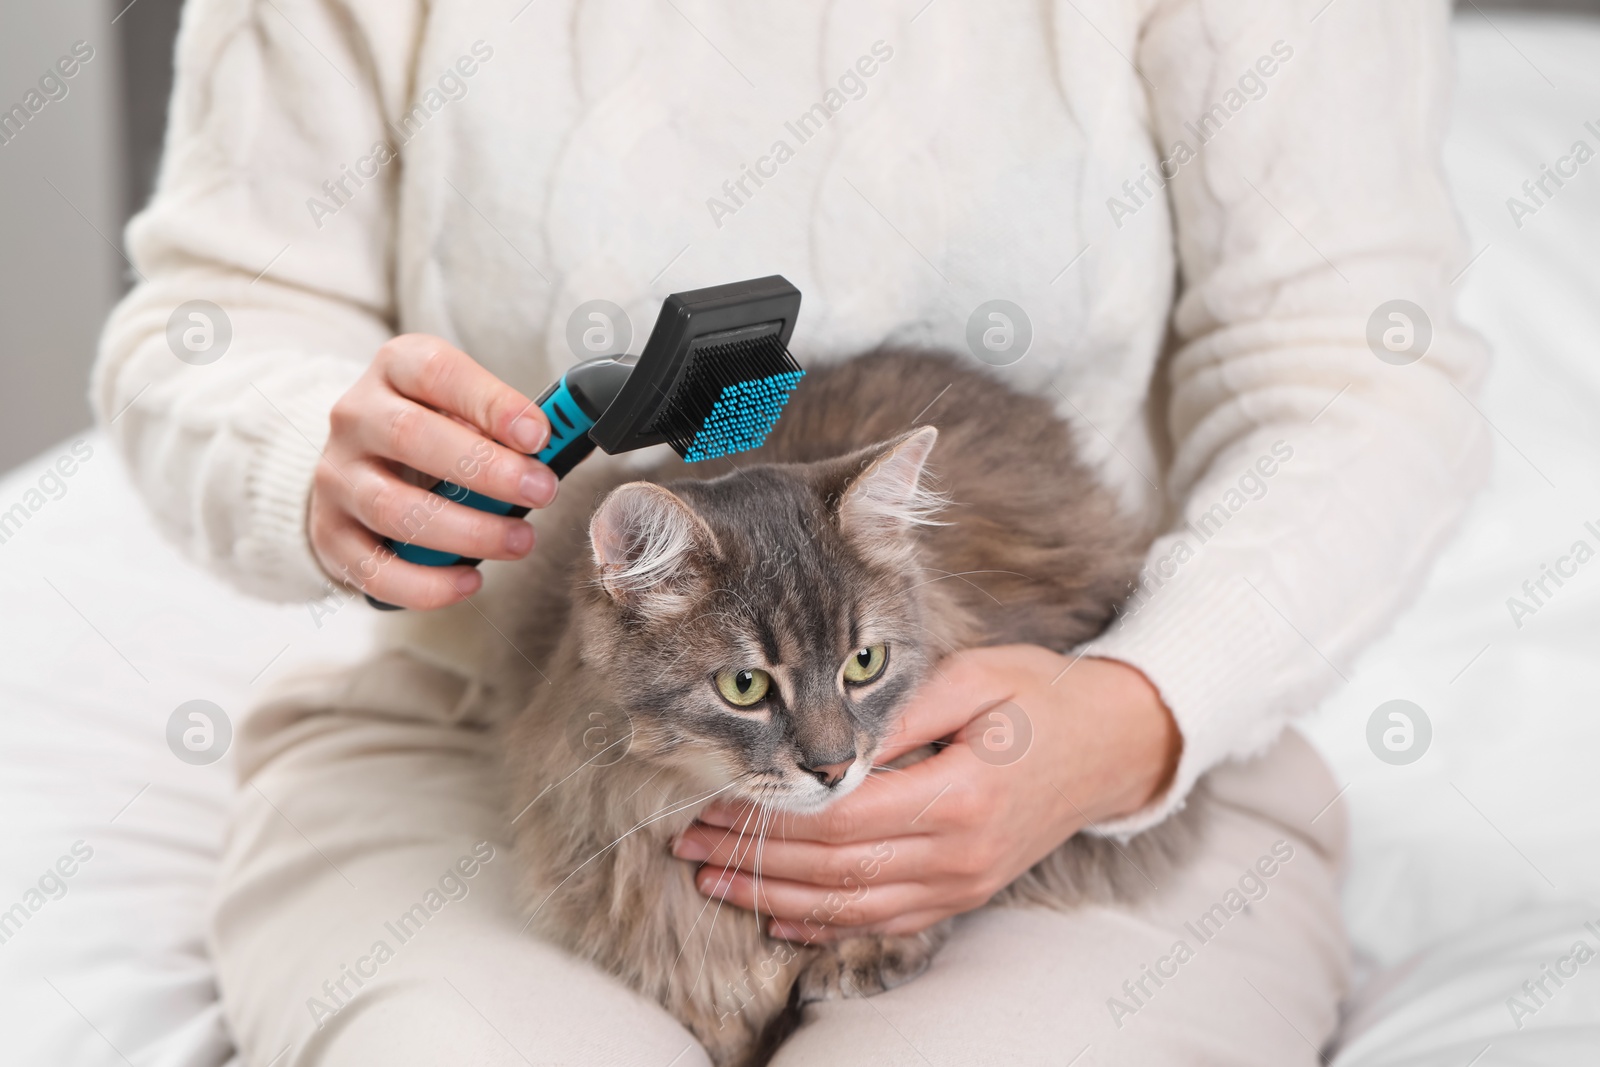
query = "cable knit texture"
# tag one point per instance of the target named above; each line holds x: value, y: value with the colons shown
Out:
x: 1198, y: 203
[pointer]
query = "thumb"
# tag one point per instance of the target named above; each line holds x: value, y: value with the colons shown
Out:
x: 946, y: 702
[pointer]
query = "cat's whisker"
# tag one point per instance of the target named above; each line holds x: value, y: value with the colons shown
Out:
x: 761, y: 845
x: 748, y: 607
x: 948, y: 646
x: 712, y: 929
x: 689, y: 645
x: 662, y: 813
x: 962, y: 575
x: 647, y: 781
x: 569, y: 774
x: 684, y: 940
x: 772, y: 818
x: 932, y: 663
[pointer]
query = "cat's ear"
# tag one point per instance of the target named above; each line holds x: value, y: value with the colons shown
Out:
x: 886, y: 495
x: 650, y: 549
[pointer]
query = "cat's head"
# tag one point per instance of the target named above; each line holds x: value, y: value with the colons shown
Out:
x: 763, y: 630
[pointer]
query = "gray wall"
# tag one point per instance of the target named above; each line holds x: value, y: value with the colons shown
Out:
x: 69, y: 180
x: 60, y: 184
x: 81, y: 166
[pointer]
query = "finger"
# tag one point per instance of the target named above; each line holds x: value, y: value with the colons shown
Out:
x: 443, y: 377
x: 946, y: 701
x: 824, y: 866
x: 812, y: 933
x: 434, y: 444
x: 801, y: 903
x: 387, y: 505
x: 371, y: 566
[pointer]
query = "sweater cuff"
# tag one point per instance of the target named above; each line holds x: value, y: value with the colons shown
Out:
x: 275, y: 545
x: 1206, y: 642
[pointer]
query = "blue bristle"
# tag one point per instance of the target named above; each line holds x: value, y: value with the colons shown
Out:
x: 743, y: 416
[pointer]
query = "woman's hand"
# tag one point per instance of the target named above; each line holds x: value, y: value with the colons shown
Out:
x: 1047, y: 746
x: 429, y: 407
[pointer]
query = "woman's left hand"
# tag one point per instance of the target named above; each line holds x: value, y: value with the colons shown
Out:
x: 1046, y: 746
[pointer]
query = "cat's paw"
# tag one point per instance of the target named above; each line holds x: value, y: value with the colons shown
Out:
x: 865, y: 966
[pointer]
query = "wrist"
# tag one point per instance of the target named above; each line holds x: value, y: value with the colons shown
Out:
x: 1144, y: 741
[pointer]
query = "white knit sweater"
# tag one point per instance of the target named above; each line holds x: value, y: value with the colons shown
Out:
x: 1198, y: 204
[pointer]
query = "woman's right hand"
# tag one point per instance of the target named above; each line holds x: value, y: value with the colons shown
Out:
x: 427, y: 406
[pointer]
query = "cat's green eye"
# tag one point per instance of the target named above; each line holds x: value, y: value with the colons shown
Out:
x: 865, y: 664
x: 743, y: 688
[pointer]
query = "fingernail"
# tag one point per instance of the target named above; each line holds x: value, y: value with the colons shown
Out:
x: 539, y: 487
x: 468, y: 583
x: 715, y: 883
x: 690, y: 848
x: 784, y: 931
x: 714, y: 816
x: 529, y: 434
x: 519, y: 539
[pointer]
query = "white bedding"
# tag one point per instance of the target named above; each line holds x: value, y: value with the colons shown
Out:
x: 105, y: 632
x: 1480, y: 856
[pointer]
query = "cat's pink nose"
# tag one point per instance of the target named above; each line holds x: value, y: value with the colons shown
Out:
x: 829, y: 774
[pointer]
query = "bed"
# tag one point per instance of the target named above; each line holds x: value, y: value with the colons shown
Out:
x: 1472, y: 867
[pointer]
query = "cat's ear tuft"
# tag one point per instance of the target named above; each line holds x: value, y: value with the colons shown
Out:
x: 890, y: 495
x: 650, y: 549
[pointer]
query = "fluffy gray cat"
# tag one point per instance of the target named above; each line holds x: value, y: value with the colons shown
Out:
x: 752, y: 630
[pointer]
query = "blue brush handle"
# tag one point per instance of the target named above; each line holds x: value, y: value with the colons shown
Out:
x: 569, y: 443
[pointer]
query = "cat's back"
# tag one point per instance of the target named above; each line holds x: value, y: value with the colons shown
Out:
x: 839, y: 407
x: 1003, y: 458
x: 1044, y: 552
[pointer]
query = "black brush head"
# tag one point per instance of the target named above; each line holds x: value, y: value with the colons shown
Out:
x: 714, y: 375
x: 730, y: 394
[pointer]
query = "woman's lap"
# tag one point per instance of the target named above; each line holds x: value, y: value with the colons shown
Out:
x: 366, y: 914
x: 1030, y: 986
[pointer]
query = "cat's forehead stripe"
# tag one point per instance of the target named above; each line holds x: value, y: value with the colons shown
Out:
x: 769, y: 642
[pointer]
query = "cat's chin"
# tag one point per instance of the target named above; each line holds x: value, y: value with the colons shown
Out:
x: 804, y: 803
x: 808, y: 798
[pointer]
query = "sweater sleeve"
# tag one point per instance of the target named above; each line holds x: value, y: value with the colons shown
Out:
x: 1312, y: 479
x: 265, y: 263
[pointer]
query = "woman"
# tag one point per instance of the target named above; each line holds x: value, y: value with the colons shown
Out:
x: 1202, y: 213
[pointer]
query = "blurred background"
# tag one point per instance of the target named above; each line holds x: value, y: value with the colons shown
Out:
x: 84, y: 165
x: 70, y: 179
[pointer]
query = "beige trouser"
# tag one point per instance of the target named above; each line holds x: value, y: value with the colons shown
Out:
x: 364, y: 916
